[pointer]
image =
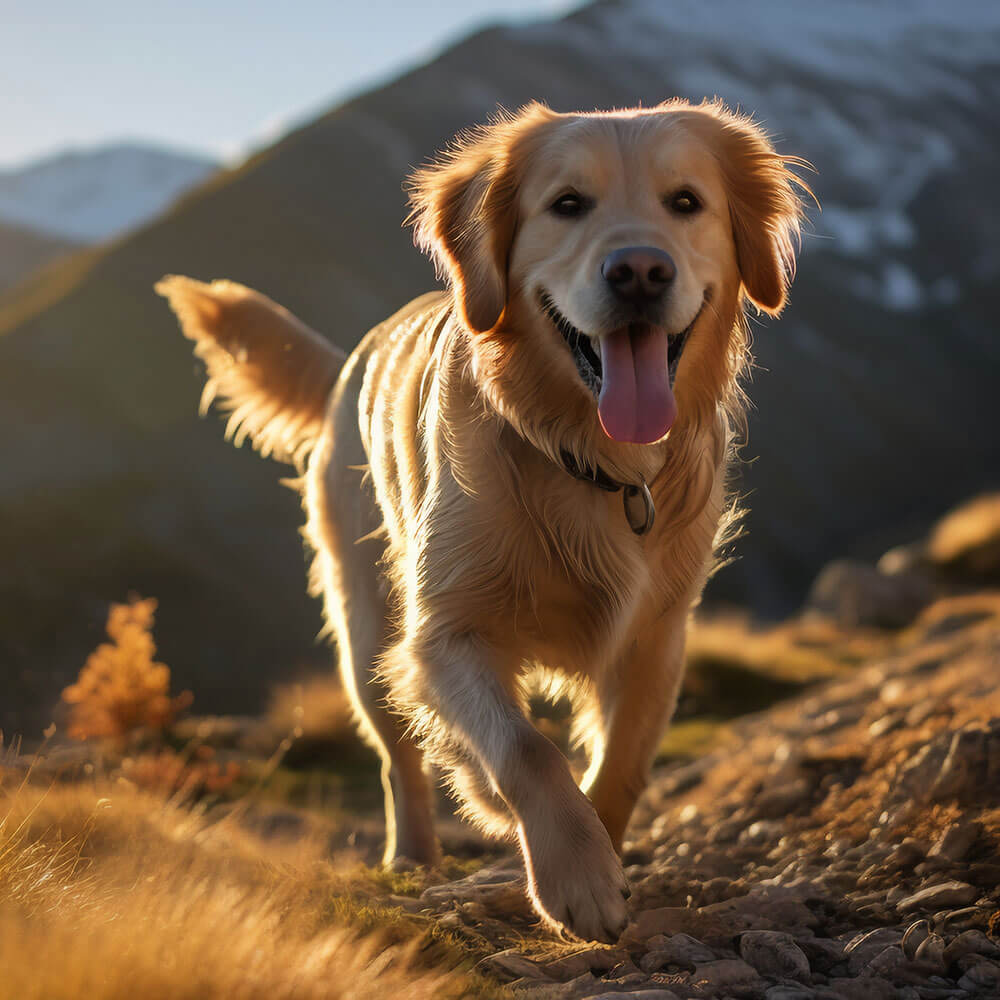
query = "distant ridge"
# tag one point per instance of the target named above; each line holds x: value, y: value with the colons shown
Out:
x: 91, y: 195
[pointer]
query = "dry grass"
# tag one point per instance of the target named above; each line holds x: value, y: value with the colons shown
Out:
x: 108, y: 892
x: 969, y: 536
x: 801, y: 650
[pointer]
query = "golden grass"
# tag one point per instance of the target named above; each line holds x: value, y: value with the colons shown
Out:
x: 800, y: 650
x: 970, y: 532
x: 107, y: 892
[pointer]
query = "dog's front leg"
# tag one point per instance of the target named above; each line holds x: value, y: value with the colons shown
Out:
x: 636, y: 700
x: 574, y: 876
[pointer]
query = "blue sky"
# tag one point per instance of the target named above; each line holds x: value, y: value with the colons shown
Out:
x: 213, y: 76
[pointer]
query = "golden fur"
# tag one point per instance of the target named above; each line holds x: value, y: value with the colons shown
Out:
x: 455, y: 554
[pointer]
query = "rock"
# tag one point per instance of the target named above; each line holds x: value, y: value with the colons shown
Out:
x: 679, y: 949
x: 729, y: 977
x: 909, y: 853
x: 971, y: 942
x: 669, y: 921
x: 956, y: 841
x: 868, y: 988
x: 984, y: 975
x: 936, y: 897
x: 638, y: 995
x: 856, y: 595
x: 785, y: 992
x: 597, y: 959
x: 774, y: 955
x: 953, y: 921
x: 511, y: 964
x: 862, y: 948
x: 886, y: 962
x: 930, y: 952
x: 971, y: 769
x: 915, y: 935
x: 823, y: 953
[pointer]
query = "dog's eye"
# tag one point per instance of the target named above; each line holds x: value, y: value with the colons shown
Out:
x: 684, y: 202
x: 570, y: 205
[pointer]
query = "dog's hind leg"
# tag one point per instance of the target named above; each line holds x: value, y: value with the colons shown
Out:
x: 346, y: 571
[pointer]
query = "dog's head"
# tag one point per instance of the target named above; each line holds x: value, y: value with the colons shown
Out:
x: 615, y: 251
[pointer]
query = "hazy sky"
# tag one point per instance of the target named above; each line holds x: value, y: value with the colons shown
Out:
x: 213, y: 76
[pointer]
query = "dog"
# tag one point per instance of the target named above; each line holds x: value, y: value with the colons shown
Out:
x: 527, y: 472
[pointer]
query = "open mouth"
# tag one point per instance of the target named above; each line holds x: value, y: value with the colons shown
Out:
x: 588, y: 361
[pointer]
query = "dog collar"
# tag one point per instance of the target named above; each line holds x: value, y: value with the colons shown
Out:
x: 637, y: 500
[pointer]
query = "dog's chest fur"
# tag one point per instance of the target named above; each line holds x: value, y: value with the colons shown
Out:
x: 485, y: 534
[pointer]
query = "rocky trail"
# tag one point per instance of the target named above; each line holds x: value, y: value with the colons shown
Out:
x: 840, y: 845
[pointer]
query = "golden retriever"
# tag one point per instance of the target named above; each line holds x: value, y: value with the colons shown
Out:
x: 528, y: 471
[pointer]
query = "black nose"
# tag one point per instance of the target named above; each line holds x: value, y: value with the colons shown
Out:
x: 639, y: 274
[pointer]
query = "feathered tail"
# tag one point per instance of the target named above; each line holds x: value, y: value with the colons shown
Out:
x: 268, y: 370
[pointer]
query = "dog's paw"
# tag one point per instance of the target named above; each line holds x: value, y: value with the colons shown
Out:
x: 576, y: 882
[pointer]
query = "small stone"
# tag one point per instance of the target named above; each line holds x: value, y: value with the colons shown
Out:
x: 931, y: 951
x: 774, y: 955
x: 597, y: 960
x: 823, y: 953
x: 984, y: 975
x: 680, y: 949
x: 936, y: 897
x: 868, y: 988
x: 956, y: 841
x: 728, y: 976
x: 909, y: 853
x: 950, y: 922
x: 971, y: 942
x: 915, y: 935
x: 862, y: 948
x: 511, y: 964
x: 637, y: 995
x: 785, y: 992
x: 886, y: 962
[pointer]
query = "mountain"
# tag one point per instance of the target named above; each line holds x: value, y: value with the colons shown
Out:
x: 92, y: 195
x: 25, y: 251
x: 874, y: 396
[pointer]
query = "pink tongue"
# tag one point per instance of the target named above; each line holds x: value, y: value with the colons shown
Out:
x: 636, y: 402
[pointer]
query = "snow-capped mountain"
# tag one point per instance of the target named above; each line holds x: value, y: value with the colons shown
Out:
x: 90, y: 196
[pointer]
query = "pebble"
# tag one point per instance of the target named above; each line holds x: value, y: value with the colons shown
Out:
x: 971, y: 942
x: 774, y: 955
x: 931, y: 952
x: 862, y: 948
x: 956, y: 842
x: 936, y: 897
x: 638, y: 995
x: 915, y: 935
x: 679, y: 949
x: 588, y: 960
x: 728, y: 974
x: 984, y: 975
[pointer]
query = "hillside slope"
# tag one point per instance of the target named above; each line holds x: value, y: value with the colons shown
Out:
x: 25, y: 251
x: 871, y: 398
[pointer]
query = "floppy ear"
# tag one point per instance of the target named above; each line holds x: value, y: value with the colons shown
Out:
x: 464, y: 213
x: 764, y: 206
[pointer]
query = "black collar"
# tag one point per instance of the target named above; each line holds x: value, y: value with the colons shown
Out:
x: 637, y: 501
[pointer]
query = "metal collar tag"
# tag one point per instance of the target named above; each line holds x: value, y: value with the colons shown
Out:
x: 640, y: 511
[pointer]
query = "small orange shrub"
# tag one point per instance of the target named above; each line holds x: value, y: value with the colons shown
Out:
x: 121, y: 687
